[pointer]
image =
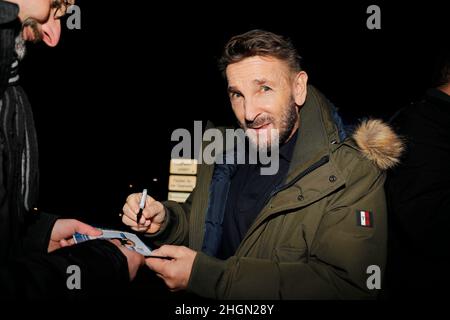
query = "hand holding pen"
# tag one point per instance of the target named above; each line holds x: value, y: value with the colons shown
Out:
x: 141, y: 205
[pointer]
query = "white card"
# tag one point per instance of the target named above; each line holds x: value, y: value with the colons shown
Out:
x: 129, y: 240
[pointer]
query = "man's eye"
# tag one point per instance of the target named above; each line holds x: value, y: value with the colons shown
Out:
x: 265, y: 88
x: 236, y: 95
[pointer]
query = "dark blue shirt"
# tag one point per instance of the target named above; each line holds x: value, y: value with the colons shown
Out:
x: 249, y: 192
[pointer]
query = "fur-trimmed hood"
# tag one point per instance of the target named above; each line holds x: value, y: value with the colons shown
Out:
x: 379, y: 143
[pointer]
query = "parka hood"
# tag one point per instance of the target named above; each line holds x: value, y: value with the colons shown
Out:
x: 378, y: 142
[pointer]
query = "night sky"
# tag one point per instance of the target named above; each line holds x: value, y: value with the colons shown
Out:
x: 107, y: 99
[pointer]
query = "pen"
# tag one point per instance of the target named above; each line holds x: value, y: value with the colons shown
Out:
x: 141, y: 206
x: 159, y: 257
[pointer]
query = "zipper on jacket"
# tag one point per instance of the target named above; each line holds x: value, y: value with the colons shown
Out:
x: 307, y: 171
x: 314, y: 166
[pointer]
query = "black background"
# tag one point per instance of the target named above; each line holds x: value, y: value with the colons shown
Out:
x: 107, y: 99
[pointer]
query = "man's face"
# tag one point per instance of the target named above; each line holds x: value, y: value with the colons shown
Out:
x: 265, y: 94
x: 40, y: 19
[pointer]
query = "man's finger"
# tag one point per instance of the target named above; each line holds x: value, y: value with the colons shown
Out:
x: 156, y: 252
x: 167, y: 250
x: 153, y: 209
x: 129, y: 222
x: 139, y: 229
x: 63, y: 243
x: 149, y: 200
x: 133, y: 201
x: 116, y: 242
x: 156, y: 265
x: 66, y: 242
x: 133, y: 225
x: 127, y: 211
x: 84, y: 228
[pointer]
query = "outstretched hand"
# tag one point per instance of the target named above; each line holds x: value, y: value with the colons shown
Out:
x: 64, y: 229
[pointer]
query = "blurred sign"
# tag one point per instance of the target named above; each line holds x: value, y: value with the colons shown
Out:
x: 183, y: 166
x: 178, y: 196
x: 182, y: 183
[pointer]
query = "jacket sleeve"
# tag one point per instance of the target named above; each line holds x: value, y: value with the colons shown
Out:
x: 338, y: 258
x: 102, y: 269
x: 38, y: 230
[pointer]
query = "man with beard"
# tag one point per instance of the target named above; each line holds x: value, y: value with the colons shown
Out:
x: 311, y: 230
x: 36, y: 249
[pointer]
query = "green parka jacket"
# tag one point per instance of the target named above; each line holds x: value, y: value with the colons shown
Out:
x: 310, y: 241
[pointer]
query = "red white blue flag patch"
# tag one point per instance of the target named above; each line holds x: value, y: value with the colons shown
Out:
x: 364, y: 218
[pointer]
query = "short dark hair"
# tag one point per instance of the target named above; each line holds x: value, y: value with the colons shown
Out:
x: 260, y: 43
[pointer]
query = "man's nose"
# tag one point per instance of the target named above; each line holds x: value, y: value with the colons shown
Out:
x: 51, y: 31
x: 251, y: 110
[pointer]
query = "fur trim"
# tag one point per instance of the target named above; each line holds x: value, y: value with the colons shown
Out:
x: 379, y: 143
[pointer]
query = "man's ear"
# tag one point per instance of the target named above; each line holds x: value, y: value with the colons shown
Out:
x: 300, y: 87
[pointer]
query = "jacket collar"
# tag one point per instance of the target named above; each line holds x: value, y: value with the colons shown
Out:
x: 316, y: 134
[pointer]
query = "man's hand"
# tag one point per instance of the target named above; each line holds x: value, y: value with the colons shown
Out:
x: 134, y: 259
x: 153, y: 214
x: 176, y: 272
x: 64, y: 229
